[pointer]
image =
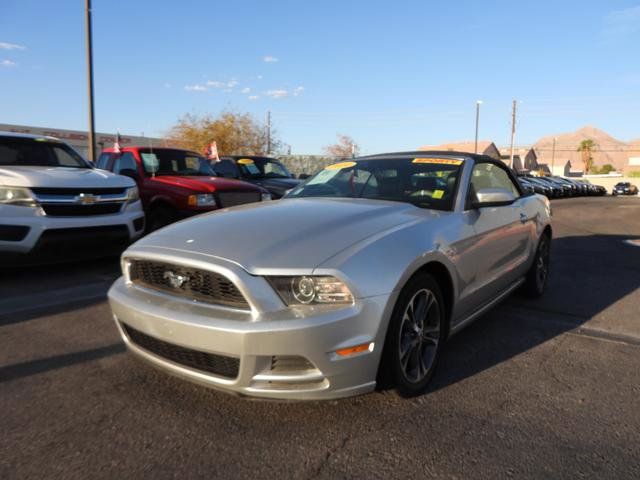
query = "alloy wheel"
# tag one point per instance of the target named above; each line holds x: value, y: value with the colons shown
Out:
x: 419, y: 335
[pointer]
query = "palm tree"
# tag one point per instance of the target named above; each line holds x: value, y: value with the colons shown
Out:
x: 586, y: 148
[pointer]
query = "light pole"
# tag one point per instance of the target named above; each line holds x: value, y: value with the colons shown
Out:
x: 89, y: 54
x: 478, y: 103
x: 553, y: 155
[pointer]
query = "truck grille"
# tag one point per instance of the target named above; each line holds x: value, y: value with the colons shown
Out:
x: 231, y: 199
x: 209, y: 287
x: 78, y: 191
x: 70, y: 210
x: 220, y: 365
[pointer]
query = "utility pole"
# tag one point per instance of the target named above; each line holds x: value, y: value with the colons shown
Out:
x: 89, y: 55
x: 268, y: 132
x: 478, y: 103
x: 513, y: 131
x: 553, y: 155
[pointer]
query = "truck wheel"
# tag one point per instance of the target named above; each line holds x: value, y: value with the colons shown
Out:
x: 160, y: 217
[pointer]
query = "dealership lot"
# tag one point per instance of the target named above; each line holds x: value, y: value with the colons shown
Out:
x: 535, y: 388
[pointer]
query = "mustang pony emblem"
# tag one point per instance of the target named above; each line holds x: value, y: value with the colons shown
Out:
x: 175, y: 280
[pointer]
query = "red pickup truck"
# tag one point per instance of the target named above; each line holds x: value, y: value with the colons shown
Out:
x: 176, y: 184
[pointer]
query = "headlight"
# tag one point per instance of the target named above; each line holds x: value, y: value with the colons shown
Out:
x: 133, y: 194
x: 306, y: 290
x: 202, y: 200
x: 17, y: 196
x: 266, y: 196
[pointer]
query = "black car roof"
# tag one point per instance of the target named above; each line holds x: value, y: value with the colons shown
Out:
x: 422, y: 153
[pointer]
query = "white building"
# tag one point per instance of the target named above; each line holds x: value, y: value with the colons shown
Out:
x: 80, y: 139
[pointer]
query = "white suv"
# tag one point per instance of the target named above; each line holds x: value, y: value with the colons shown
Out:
x: 54, y: 204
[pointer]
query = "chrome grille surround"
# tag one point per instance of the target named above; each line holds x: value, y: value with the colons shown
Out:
x: 186, y: 281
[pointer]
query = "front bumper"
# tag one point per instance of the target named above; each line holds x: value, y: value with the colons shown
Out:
x: 256, y: 341
x: 42, y: 233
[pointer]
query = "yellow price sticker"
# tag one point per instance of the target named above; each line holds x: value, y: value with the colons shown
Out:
x: 437, y: 194
x: 439, y: 161
x: 340, y: 166
x: 245, y: 161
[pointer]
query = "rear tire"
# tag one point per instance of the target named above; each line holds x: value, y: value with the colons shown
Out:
x: 537, y: 276
x: 415, y: 337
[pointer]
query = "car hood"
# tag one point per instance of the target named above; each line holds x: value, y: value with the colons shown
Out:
x: 61, y: 177
x: 285, y: 234
x: 278, y: 183
x: 205, y: 184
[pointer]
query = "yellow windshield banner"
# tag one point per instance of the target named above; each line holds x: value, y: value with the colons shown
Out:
x: 340, y: 166
x: 437, y: 194
x: 440, y: 161
x: 245, y: 161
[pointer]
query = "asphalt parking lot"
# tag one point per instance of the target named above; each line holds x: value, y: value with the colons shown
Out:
x: 535, y: 389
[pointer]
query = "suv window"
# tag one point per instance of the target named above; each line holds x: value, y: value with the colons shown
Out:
x: 489, y: 175
x: 226, y: 168
x: 126, y: 161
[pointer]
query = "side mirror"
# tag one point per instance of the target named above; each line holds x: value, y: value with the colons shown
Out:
x: 303, y: 176
x: 493, y: 197
x: 130, y: 172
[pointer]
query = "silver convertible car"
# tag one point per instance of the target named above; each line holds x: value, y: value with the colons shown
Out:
x: 355, y: 279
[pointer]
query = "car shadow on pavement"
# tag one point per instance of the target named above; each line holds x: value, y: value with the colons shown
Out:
x: 33, y: 367
x: 590, y: 274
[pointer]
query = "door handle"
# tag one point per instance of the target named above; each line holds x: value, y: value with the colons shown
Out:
x: 523, y: 218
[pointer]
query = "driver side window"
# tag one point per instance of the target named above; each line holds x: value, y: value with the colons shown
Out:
x: 488, y: 175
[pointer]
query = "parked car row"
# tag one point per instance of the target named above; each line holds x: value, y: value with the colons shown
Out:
x: 175, y: 184
x: 555, y: 187
x: 54, y: 204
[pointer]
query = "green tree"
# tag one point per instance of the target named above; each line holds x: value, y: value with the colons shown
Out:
x: 234, y: 133
x: 586, y: 148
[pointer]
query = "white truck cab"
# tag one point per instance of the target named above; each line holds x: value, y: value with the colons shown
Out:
x: 56, y: 205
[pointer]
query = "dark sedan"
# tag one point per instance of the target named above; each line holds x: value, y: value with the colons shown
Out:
x: 624, y: 188
x: 267, y: 172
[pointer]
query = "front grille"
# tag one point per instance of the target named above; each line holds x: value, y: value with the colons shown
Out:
x: 221, y: 365
x: 78, y: 191
x: 231, y: 199
x: 187, y: 282
x: 71, y: 210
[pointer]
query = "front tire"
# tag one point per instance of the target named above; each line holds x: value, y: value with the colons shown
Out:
x: 415, y: 337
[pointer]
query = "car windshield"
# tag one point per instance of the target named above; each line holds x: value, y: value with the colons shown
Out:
x: 426, y: 182
x: 182, y: 163
x: 38, y: 152
x: 262, y: 168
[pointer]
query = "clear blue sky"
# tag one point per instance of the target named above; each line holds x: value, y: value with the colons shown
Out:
x: 394, y: 75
